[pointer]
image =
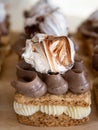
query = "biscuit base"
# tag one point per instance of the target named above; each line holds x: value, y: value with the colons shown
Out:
x: 44, y: 120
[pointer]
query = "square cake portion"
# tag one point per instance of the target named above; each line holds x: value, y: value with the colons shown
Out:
x: 53, y: 110
x: 52, y: 86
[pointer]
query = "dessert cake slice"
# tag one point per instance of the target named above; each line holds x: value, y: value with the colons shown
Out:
x: 4, y: 38
x: 46, y: 96
x: 53, y: 110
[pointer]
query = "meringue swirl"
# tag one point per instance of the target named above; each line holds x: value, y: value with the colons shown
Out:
x: 55, y: 54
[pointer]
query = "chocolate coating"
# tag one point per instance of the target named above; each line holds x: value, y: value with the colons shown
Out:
x: 77, y: 81
x: 95, y: 58
x: 56, y: 84
x: 34, y: 88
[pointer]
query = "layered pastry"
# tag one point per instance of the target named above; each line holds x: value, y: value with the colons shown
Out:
x: 4, y: 27
x: 45, y: 18
x: 52, y: 86
x: 89, y: 32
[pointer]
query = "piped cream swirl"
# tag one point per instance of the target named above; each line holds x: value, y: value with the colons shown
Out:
x: 75, y: 112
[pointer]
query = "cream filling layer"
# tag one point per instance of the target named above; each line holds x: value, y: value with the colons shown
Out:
x: 75, y: 112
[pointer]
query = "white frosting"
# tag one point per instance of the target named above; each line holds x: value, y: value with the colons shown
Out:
x: 36, y: 59
x: 75, y: 112
x: 54, y: 21
x: 55, y: 24
x: 2, y: 12
x: 40, y: 59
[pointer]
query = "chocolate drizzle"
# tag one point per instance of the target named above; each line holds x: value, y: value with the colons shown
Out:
x: 56, y: 84
x: 34, y: 88
x: 77, y: 81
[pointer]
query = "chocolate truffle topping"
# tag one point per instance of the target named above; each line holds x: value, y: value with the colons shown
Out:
x: 56, y: 84
x: 77, y: 81
x: 34, y: 88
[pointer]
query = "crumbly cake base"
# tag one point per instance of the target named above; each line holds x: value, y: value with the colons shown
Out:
x: 68, y: 99
x: 42, y: 119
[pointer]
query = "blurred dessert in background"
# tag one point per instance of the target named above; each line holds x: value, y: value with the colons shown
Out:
x: 4, y: 29
x: 42, y: 18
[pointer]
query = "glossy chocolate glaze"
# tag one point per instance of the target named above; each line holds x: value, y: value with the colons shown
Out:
x: 34, y: 88
x: 56, y: 84
x: 77, y: 81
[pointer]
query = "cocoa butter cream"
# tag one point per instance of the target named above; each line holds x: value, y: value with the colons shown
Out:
x: 24, y: 71
x: 55, y: 54
x: 77, y: 81
x: 56, y: 84
x: 34, y: 88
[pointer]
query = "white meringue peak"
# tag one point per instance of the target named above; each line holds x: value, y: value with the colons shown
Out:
x: 49, y: 53
x: 54, y: 22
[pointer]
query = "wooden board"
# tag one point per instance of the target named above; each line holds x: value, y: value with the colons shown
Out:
x: 8, y: 119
